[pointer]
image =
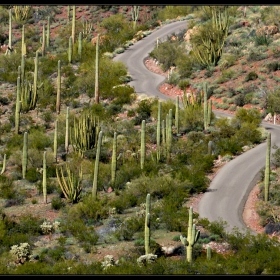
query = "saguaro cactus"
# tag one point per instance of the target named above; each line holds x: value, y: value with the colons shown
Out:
x: 44, y: 181
x: 267, y: 168
x: 73, y: 24
x: 48, y: 32
x: 177, y: 114
x: 147, y: 224
x: 67, y: 131
x: 55, y: 140
x: 114, y: 160
x: 96, y: 166
x: 96, y: 89
x: 58, y: 89
x: 24, y: 154
x: 4, y: 164
x: 9, y: 49
x: 143, y: 144
x: 193, y: 235
x: 17, y: 110
x: 158, y: 131
x: 70, y: 49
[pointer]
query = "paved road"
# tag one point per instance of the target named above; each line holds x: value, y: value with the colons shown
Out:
x: 230, y: 188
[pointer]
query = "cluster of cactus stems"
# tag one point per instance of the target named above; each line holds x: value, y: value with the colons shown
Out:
x: 96, y: 165
x: 85, y: 132
x: 147, y: 224
x: 211, y: 46
x: 143, y: 144
x: 192, y: 238
x: 267, y: 168
x: 71, y: 184
x: 87, y: 28
x: 168, y: 133
x: 21, y: 13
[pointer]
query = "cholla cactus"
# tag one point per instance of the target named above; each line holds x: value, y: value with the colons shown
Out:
x: 48, y: 227
x: 22, y: 252
x: 149, y: 258
x: 109, y: 261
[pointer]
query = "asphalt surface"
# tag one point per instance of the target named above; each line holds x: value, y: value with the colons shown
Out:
x: 229, y: 190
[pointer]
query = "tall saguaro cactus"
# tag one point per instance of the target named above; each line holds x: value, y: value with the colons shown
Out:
x: 135, y: 15
x: 44, y: 181
x: 114, y: 160
x: 177, y: 114
x: 159, y: 131
x: 267, y: 168
x: 147, y: 224
x: 143, y: 144
x: 58, y: 89
x: 96, y: 89
x: 48, y: 32
x: 24, y: 154
x: 9, y: 50
x: 73, y: 24
x: 55, y: 140
x: 67, y: 131
x: 192, y: 238
x: 17, y: 110
x: 96, y: 166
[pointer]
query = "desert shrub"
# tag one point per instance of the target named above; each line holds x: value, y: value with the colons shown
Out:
x: 273, y: 66
x: 167, y: 53
x: 251, y: 76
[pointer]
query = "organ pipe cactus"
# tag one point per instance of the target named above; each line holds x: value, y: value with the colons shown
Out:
x: 192, y: 238
x: 147, y: 224
x: 85, y: 132
x: 70, y: 184
x: 44, y: 181
x: 267, y: 168
x: 29, y: 92
x: 96, y: 166
x: 24, y: 154
x: 143, y: 144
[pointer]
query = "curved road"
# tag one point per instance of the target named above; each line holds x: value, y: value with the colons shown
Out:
x: 229, y: 190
